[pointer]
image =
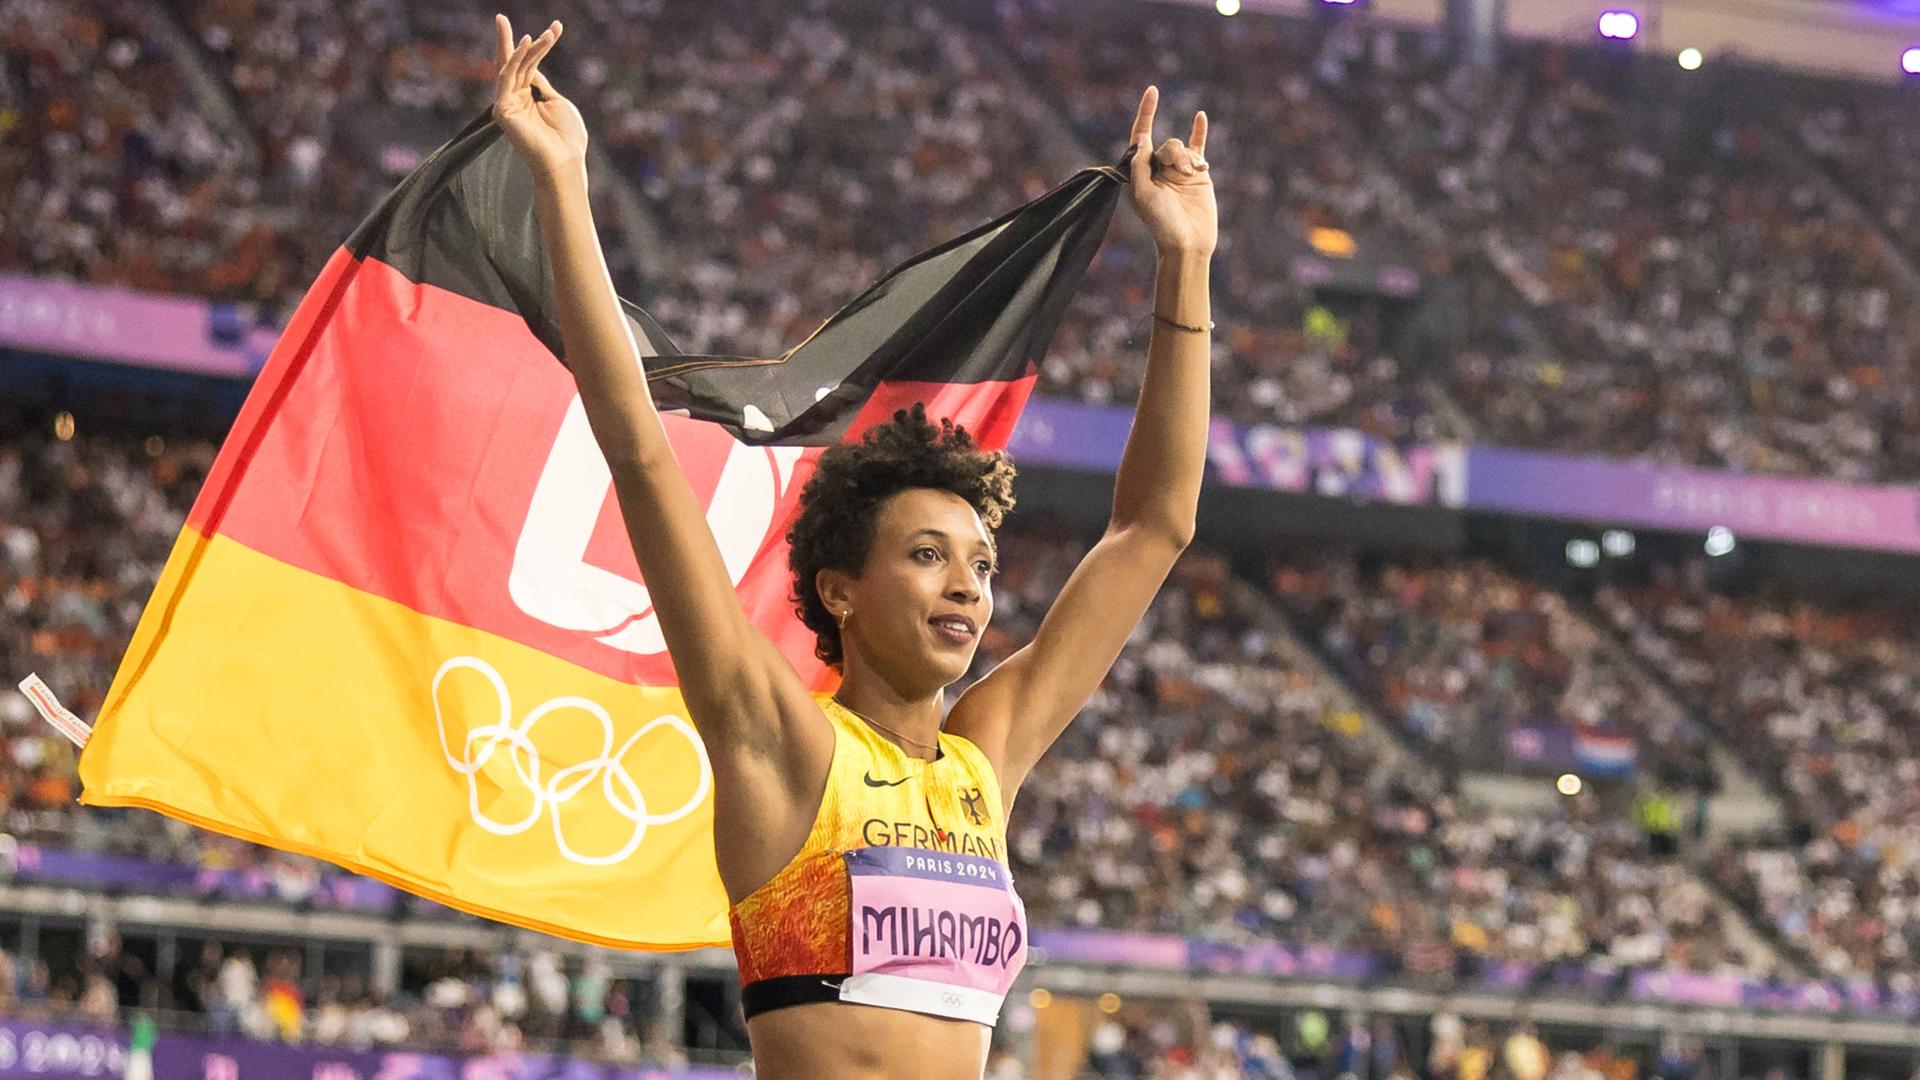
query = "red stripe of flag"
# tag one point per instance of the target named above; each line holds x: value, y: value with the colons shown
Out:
x: 404, y: 458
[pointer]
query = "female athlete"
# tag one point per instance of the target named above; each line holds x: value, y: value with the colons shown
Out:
x: 861, y: 840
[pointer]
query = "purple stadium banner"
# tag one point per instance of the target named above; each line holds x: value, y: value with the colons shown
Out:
x: 1336, y: 462
x: 1070, y: 435
x: 1175, y: 953
x: 30, y: 1051
x: 132, y: 327
x: 1109, y: 947
x: 1323, y: 461
x: 1349, y: 464
x: 1729, y: 991
x: 1693, y: 500
x: 194, y: 1058
x: 36, y: 1051
x: 333, y: 888
x: 1518, y: 977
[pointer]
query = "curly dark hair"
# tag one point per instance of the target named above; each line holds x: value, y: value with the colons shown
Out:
x: 833, y: 527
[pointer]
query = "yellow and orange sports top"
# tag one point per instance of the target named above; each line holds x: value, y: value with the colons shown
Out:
x: 900, y: 897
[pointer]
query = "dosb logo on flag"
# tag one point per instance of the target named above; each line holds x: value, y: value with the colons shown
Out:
x: 552, y: 578
x: 403, y: 628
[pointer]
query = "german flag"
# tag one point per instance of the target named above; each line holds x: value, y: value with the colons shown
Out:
x: 403, y: 629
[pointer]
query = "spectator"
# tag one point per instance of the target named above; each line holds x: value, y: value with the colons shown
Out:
x: 1818, y: 699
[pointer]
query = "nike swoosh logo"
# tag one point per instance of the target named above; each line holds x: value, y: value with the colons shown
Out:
x: 871, y: 782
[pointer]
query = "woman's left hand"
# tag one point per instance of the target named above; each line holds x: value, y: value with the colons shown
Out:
x: 1172, y: 191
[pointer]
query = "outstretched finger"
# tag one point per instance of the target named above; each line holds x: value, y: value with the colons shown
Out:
x: 528, y: 54
x: 509, y: 77
x: 503, y: 35
x: 1143, y: 117
x: 542, y: 45
x: 1198, y: 142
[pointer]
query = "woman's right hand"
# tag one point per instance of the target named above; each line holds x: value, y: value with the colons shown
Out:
x: 548, y: 134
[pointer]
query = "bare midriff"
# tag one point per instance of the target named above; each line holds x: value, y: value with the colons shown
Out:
x: 862, y: 1042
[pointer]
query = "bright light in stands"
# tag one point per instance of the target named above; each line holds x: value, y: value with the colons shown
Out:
x: 1040, y: 998
x: 1619, y: 25
x: 1691, y: 59
x: 155, y: 446
x: 1910, y: 61
x: 63, y: 425
x: 1583, y: 553
x: 1109, y: 1003
x: 1340, y: 3
x: 1227, y: 7
x: 1568, y: 785
x: 1719, y: 541
x: 1618, y: 543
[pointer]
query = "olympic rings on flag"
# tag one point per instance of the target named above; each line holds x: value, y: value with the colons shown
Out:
x: 616, y: 783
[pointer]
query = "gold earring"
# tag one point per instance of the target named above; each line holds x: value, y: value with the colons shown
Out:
x: 844, y: 616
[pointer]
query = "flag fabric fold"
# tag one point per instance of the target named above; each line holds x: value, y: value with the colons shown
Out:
x: 403, y: 630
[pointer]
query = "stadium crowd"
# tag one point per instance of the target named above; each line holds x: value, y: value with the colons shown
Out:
x: 1660, y: 280
x: 1867, y: 139
x: 1463, y: 654
x: 1216, y: 786
x: 1182, y: 1041
x: 1708, y: 301
x: 1700, y: 301
x: 1821, y: 699
x: 111, y: 173
x: 85, y: 526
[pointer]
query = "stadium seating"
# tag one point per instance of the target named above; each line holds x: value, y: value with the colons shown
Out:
x: 780, y: 164
x: 1821, y: 697
x: 1462, y: 655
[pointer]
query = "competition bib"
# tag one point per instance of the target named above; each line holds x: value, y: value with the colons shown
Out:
x: 933, y: 932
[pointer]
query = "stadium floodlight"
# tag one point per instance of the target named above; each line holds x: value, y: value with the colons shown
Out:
x: 1719, y: 541
x: 1618, y: 543
x: 1584, y: 554
x: 1619, y: 25
x: 1691, y: 59
x: 1910, y: 60
x: 1227, y: 7
x: 1568, y: 784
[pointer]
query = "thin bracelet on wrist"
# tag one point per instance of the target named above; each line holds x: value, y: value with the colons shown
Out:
x: 1184, y: 326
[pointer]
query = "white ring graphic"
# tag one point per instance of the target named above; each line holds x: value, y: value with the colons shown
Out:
x: 618, y: 785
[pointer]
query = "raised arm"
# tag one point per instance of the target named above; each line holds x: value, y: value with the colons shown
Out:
x: 1017, y: 711
x: 743, y: 695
